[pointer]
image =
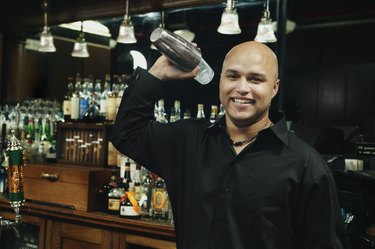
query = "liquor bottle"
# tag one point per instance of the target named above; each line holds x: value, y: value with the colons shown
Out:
x: 47, y: 130
x: 105, y: 96
x: 114, y: 199
x: 84, y: 98
x: 129, y: 207
x: 66, y: 101
x: 160, y: 200
x: 97, y: 91
x: 146, y: 190
x: 74, y: 100
x: 126, y: 180
x: 161, y: 118
x: 27, y: 149
x: 200, y: 112
x: 172, y: 115
x: 214, y: 113
x: 92, y: 113
x: 31, y: 128
x: 187, y: 114
x: 3, y: 178
x: 222, y: 111
x: 112, y: 155
x: 4, y: 140
x: 112, y: 104
x: 137, y: 181
x: 177, y: 108
x: 111, y: 184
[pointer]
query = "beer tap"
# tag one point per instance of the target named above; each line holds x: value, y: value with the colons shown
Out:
x: 14, y: 166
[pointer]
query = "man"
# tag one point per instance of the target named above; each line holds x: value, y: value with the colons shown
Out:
x: 243, y: 182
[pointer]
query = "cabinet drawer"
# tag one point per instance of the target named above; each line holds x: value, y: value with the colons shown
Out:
x: 77, y: 186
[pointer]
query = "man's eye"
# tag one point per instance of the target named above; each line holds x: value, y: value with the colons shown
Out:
x: 232, y: 76
x: 255, y: 79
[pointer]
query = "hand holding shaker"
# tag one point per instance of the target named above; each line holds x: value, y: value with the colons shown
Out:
x: 182, y: 53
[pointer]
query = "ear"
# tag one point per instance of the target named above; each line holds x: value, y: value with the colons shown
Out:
x: 275, y: 88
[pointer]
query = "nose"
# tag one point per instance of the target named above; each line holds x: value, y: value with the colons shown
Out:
x: 243, y: 86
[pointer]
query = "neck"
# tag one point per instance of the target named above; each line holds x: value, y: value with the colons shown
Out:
x: 238, y: 134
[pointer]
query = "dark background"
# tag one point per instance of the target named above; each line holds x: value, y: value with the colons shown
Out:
x: 327, y: 63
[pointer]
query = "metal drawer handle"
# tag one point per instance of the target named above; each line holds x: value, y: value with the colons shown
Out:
x: 50, y: 177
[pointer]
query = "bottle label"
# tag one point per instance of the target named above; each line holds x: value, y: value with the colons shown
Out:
x: 113, y: 204
x: 128, y: 211
x: 66, y: 107
x: 74, y: 108
x: 103, y: 106
x: 83, y: 106
x: 160, y: 200
x: 111, y: 108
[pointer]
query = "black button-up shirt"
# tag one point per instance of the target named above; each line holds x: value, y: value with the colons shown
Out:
x: 277, y: 193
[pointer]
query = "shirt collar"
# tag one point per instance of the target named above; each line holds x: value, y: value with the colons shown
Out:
x: 279, y: 127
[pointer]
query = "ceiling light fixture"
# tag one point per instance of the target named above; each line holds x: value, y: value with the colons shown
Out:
x: 46, y: 39
x: 184, y: 31
x: 80, y: 46
x: 229, y: 20
x: 266, y: 32
x: 126, y: 32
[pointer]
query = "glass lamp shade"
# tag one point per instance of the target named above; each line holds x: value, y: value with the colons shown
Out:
x: 229, y: 22
x: 126, y: 32
x: 46, y: 41
x: 80, y: 49
x: 186, y: 34
x: 265, y: 32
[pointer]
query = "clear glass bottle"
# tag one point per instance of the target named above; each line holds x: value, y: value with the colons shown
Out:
x: 146, y: 190
x: 160, y: 205
x: 177, y: 108
x: 200, y: 112
x: 161, y: 116
x: 112, y: 101
x: 105, y: 96
x: 214, y: 113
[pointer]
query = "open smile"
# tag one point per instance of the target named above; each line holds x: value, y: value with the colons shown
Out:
x: 243, y: 101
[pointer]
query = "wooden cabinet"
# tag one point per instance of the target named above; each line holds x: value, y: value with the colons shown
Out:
x: 32, y: 234
x: 63, y: 235
x: 59, y: 228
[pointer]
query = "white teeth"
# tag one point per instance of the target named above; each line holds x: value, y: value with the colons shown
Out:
x: 243, y: 101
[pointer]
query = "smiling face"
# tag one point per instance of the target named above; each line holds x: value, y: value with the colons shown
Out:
x: 248, y: 82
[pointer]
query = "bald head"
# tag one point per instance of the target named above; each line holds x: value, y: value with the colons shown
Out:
x: 253, y: 52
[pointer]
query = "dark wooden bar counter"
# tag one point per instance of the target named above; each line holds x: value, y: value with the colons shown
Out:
x: 66, y: 228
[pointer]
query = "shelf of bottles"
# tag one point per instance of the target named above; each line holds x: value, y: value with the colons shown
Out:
x: 35, y: 124
x: 135, y: 192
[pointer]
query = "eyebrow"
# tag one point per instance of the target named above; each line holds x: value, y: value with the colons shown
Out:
x: 253, y: 74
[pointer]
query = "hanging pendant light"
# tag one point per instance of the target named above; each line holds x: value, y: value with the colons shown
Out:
x: 161, y: 25
x: 126, y: 32
x: 184, y: 31
x: 266, y: 33
x: 80, y: 46
x: 46, y: 39
x: 229, y: 20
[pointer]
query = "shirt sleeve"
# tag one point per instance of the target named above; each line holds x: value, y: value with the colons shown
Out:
x: 322, y: 224
x: 135, y: 133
